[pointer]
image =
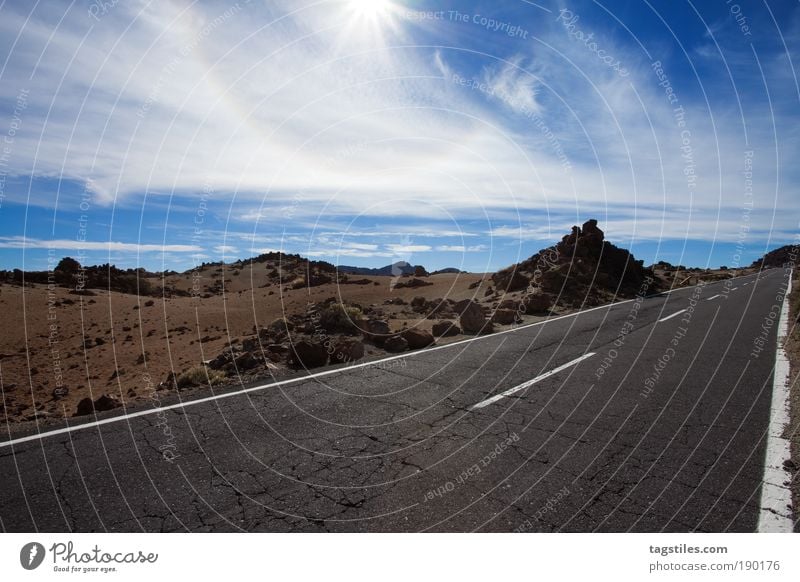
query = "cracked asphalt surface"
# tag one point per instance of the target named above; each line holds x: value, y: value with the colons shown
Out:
x: 399, y: 448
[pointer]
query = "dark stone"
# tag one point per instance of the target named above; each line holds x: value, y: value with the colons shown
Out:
x: 305, y: 354
x: 417, y: 338
x: 445, y: 329
x: 395, y: 344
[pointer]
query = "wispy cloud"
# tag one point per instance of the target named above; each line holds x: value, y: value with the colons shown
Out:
x: 19, y: 242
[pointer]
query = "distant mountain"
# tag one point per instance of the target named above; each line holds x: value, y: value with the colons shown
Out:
x: 777, y: 258
x: 447, y: 271
x: 397, y: 269
x: 394, y: 270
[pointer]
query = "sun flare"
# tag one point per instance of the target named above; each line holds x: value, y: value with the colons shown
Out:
x: 373, y: 10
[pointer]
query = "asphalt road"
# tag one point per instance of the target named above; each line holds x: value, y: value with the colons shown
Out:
x: 670, y: 437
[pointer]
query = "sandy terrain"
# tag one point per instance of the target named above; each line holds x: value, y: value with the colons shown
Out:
x: 59, y: 348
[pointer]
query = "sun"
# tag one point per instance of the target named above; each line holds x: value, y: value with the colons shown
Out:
x: 373, y: 10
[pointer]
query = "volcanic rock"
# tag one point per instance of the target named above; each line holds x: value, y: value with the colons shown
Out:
x: 417, y: 338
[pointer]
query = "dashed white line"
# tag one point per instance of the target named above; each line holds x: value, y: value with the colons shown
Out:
x: 734, y: 289
x: 671, y: 316
x: 524, y: 385
x: 713, y: 297
x: 150, y: 411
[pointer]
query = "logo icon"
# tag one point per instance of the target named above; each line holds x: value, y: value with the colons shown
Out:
x: 31, y: 555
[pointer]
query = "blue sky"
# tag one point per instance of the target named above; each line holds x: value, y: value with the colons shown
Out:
x: 160, y: 134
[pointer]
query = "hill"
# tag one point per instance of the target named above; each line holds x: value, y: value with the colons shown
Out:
x: 777, y: 258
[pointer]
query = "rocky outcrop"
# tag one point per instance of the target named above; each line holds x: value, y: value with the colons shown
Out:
x: 582, y: 269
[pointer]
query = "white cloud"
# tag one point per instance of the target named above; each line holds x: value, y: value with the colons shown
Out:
x: 21, y: 242
x: 226, y: 249
x: 408, y: 248
x: 513, y: 85
x: 249, y: 109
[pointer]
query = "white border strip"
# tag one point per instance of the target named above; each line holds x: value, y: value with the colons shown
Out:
x: 128, y: 415
x: 524, y: 385
x: 775, y: 514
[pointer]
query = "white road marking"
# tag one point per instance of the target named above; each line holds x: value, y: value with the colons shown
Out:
x: 734, y: 289
x: 775, y: 514
x: 150, y: 411
x: 712, y: 297
x: 671, y: 316
x: 524, y: 385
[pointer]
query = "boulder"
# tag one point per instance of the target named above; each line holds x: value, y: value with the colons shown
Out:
x: 376, y: 331
x: 106, y: 402
x: 505, y: 316
x: 306, y: 354
x: 86, y: 406
x: 472, y: 319
x: 419, y: 304
x: 411, y: 283
x: 395, y: 344
x: 445, y: 328
x: 246, y: 361
x: 277, y: 351
x: 417, y: 338
x: 537, y: 302
x: 347, y: 350
x: 223, y: 360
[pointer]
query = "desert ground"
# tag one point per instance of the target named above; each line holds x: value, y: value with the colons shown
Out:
x: 66, y: 353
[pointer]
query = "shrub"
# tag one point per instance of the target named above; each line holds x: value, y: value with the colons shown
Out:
x: 339, y: 318
x: 199, y: 375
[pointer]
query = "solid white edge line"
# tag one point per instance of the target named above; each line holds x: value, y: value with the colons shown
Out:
x: 775, y: 514
x: 156, y: 410
x: 524, y: 385
x: 671, y: 316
